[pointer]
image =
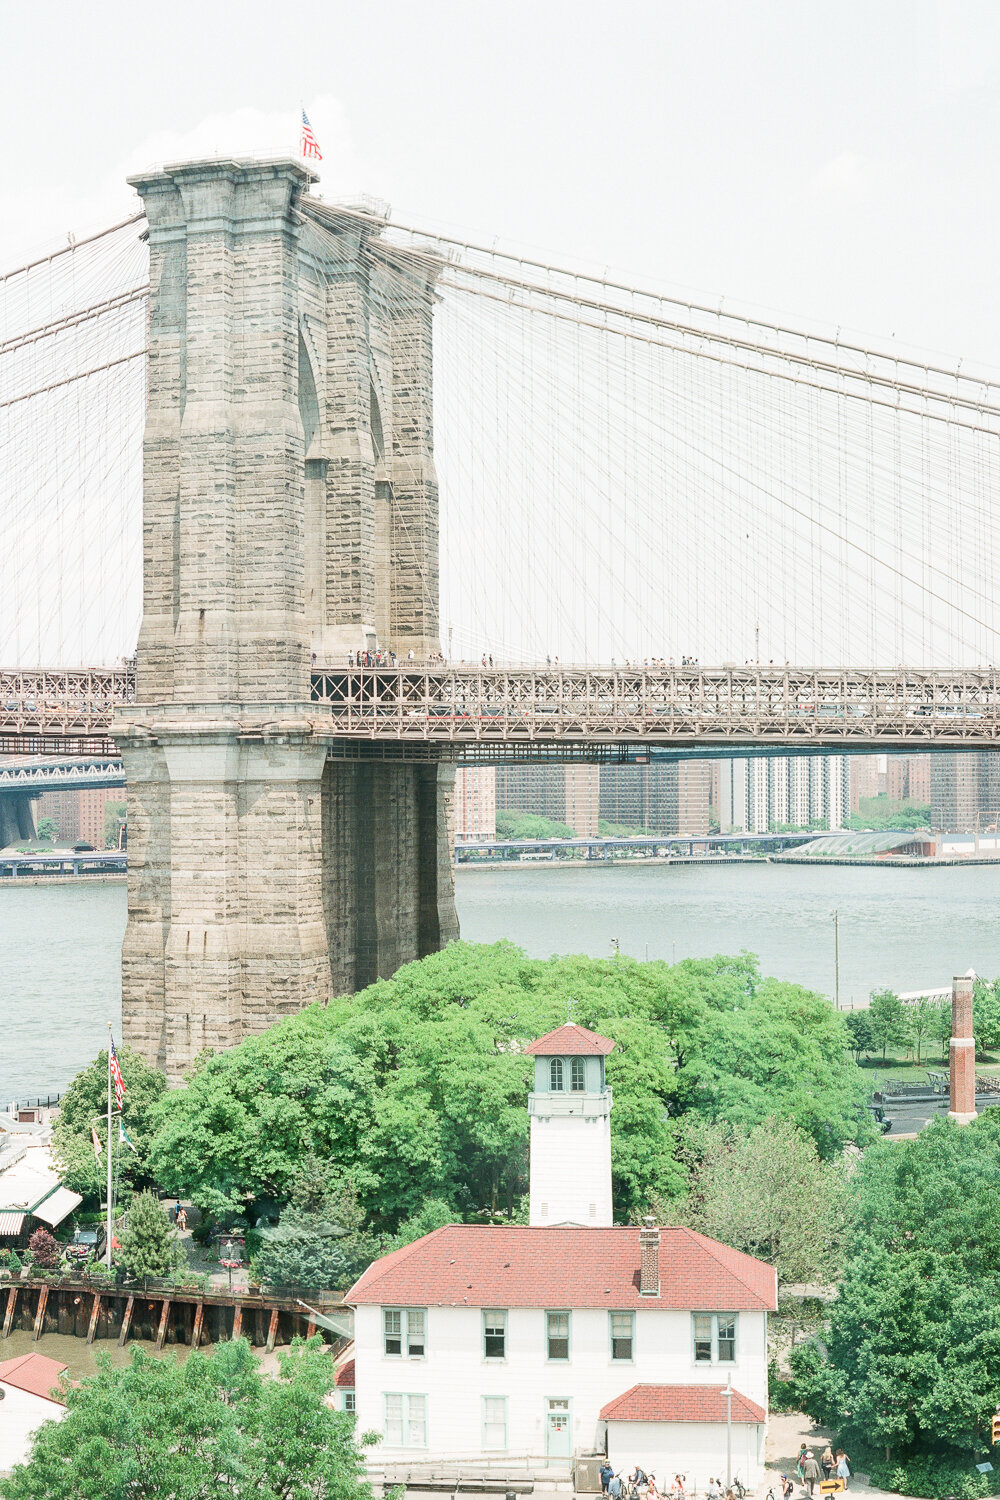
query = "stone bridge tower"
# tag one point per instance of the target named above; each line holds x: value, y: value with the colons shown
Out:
x: 289, y: 516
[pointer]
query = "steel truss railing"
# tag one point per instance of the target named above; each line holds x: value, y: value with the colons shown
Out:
x: 571, y: 707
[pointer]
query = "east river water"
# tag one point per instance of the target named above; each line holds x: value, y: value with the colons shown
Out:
x: 909, y: 929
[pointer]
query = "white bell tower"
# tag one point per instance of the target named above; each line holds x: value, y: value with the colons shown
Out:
x: 570, y: 1112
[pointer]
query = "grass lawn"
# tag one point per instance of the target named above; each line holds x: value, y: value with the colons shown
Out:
x: 910, y: 1071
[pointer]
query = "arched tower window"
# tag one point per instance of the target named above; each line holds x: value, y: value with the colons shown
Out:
x: 556, y: 1075
x: 577, y: 1075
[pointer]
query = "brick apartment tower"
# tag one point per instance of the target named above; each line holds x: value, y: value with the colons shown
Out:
x: 962, y: 1053
x: 289, y: 515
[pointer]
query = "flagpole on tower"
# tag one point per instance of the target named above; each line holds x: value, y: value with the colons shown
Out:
x: 107, y: 1250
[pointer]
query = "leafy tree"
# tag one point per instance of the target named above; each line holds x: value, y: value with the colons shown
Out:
x: 922, y: 1021
x: 319, y: 1242
x: 149, y: 1244
x: 859, y: 1029
x: 766, y: 1191
x: 986, y: 1015
x: 519, y: 825
x: 914, y: 1340
x: 47, y: 828
x: 887, y: 1018
x: 884, y: 812
x: 416, y: 1088
x: 114, y: 817
x: 44, y: 1249
x: 623, y: 831
x: 84, y: 1105
x: 210, y: 1427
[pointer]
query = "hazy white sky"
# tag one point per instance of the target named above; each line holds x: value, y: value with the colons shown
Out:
x: 837, y: 160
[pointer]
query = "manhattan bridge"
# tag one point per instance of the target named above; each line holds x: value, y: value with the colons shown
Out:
x: 302, y: 506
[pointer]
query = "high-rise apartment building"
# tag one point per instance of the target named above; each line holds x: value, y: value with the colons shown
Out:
x: 567, y: 794
x: 665, y: 797
x: 78, y: 815
x: 908, y: 777
x: 867, y: 779
x: 475, y: 803
x: 965, y: 790
x: 759, y: 793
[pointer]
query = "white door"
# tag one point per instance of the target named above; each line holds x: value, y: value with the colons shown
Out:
x: 558, y: 1438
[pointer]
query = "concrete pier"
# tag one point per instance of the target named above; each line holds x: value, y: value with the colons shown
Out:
x: 289, y: 516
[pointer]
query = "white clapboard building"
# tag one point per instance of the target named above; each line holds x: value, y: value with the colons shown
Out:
x: 569, y: 1336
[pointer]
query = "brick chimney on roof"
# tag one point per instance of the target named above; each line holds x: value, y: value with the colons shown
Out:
x: 962, y: 1053
x: 649, y: 1258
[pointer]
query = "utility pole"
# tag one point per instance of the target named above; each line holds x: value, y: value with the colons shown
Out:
x: 728, y: 1393
x: 836, y: 957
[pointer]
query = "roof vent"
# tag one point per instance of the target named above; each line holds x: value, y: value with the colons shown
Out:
x: 649, y: 1258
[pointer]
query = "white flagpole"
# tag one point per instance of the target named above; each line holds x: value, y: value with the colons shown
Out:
x: 107, y: 1253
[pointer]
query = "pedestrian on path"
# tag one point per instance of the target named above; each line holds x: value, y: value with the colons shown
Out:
x: 182, y: 1219
x: 843, y: 1467
x: 800, y: 1461
x: 828, y: 1462
x: 607, y: 1474
x: 811, y: 1473
x: 615, y: 1487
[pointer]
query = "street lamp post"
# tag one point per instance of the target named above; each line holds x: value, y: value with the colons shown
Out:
x: 728, y: 1393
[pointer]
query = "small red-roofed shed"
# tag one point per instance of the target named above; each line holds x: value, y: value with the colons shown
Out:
x: 685, y: 1429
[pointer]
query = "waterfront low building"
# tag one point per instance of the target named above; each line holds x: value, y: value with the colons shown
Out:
x: 528, y: 1347
x: 26, y: 1386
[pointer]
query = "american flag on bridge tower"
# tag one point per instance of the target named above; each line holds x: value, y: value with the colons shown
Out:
x: 309, y: 144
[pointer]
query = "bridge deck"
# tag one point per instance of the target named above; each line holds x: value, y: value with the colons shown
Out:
x: 573, y: 708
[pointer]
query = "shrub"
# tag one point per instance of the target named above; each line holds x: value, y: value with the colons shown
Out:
x: 932, y: 1475
x: 44, y: 1249
x: 782, y: 1394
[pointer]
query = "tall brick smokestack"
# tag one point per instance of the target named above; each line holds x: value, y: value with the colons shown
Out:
x: 962, y: 1053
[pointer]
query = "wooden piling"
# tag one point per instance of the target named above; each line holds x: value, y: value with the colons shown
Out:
x: 95, y: 1310
x: 238, y: 1320
x: 272, y: 1331
x: 11, y: 1304
x: 161, y: 1332
x: 43, y: 1302
x: 126, y: 1320
x: 199, y: 1314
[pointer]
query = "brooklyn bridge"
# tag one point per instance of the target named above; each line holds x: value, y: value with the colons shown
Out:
x: 556, y: 515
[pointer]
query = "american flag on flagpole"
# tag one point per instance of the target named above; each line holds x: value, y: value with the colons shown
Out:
x: 116, y: 1075
x: 309, y: 145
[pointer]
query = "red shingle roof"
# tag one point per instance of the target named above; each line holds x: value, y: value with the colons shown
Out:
x: 570, y: 1040
x: 680, y: 1403
x: 345, y: 1375
x: 32, y: 1372
x: 515, y: 1266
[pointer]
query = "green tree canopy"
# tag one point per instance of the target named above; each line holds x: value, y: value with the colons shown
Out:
x: 84, y: 1104
x: 766, y: 1191
x: 859, y: 1029
x: 888, y: 1020
x: 520, y: 825
x: 914, y: 1342
x: 416, y: 1087
x: 149, y: 1245
x: 210, y: 1427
